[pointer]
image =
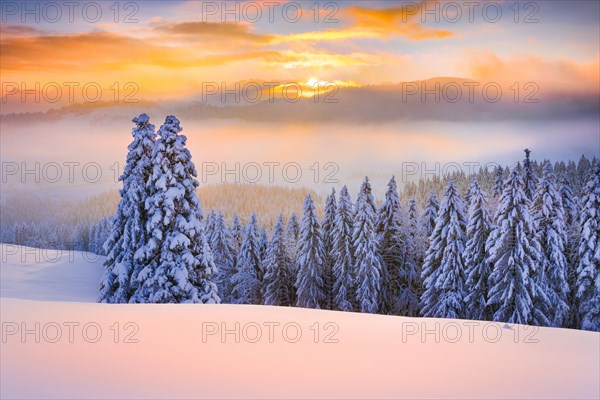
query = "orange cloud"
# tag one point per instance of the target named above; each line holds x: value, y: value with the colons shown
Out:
x: 550, y: 75
x: 368, y: 23
x: 395, y: 21
x: 219, y: 31
x: 101, y: 50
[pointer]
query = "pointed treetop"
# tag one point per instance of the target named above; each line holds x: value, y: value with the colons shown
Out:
x: 253, y: 219
x: 236, y: 220
x: 344, y: 191
x: 171, y: 126
x: 142, y: 119
x: 171, y: 119
x: 308, y: 202
x: 279, y: 222
x: 143, y: 128
x: 366, y: 194
x: 330, y: 204
x: 366, y: 185
x: 392, y: 182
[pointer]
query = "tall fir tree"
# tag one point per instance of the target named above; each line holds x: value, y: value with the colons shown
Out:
x: 498, y: 182
x: 476, y: 258
x: 237, y: 233
x: 582, y: 172
x: 392, y: 242
x: 222, y: 246
x: 443, y: 268
x: 179, y: 264
x: 292, y: 235
x: 469, y: 193
x: 278, y: 285
x: 263, y: 245
x: 530, y: 179
x: 367, y: 258
x: 515, y: 255
x: 209, y: 224
x: 292, y: 238
x: 551, y: 233
x: 309, y: 280
x: 417, y: 245
x: 430, y: 214
x: 99, y: 235
x: 327, y: 227
x: 237, y: 237
x: 572, y: 211
x: 128, y: 224
x: 248, y: 275
x: 343, y: 269
x: 588, y: 270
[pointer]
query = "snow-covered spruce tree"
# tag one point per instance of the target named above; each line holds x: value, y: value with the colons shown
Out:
x: 209, y: 225
x: 367, y: 258
x: 416, y: 231
x: 128, y: 233
x: 223, y: 250
x: 327, y: 227
x: 572, y: 211
x: 468, y: 194
x: 247, y: 279
x: 263, y: 245
x: 102, y: 234
x: 443, y: 268
x: 417, y: 244
x: 515, y: 255
x: 237, y: 233
x: 498, y: 182
x: 237, y: 237
x: 309, y: 280
x: 588, y: 271
x: 570, y: 202
x: 278, y: 284
x: 430, y: 214
x: 99, y: 234
x: 551, y: 233
x: 93, y: 239
x: 475, y: 256
x: 392, y: 243
x: 292, y: 238
x: 530, y: 179
x: 582, y: 172
x: 343, y: 250
x: 572, y: 178
x: 178, y: 262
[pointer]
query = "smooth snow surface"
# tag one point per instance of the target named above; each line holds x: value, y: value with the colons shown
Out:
x: 49, y: 275
x: 177, y: 351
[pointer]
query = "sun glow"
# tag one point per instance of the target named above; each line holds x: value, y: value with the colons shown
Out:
x: 312, y: 82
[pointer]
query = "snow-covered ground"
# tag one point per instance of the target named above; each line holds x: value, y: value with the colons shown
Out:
x: 58, y: 343
x: 49, y: 275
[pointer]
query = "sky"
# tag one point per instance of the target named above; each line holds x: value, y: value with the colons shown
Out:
x: 169, y: 49
x: 309, y: 69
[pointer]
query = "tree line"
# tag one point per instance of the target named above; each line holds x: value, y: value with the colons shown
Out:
x: 518, y: 245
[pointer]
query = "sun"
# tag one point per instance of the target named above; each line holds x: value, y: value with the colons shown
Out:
x: 313, y: 82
